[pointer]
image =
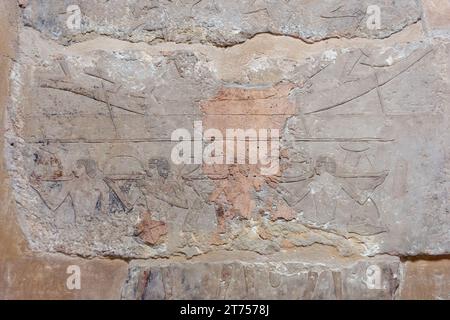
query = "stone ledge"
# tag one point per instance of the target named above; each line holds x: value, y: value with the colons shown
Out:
x: 293, y: 280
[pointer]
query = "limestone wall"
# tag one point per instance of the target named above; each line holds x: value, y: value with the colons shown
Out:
x: 349, y: 99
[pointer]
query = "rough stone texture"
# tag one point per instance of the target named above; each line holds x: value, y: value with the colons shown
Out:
x: 45, y: 277
x: 437, y: 14
x: 259, y: 280
x: 363, y: 165
x: 31, y: 275
x: 221, y: 23
x: 427, y: 279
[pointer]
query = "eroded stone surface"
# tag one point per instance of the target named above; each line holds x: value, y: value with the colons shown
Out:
x: 437, y: 16
x: 45, y: 277
x: 221, y: 23
x: 90, y: 142
x: 268, y: 280
x: 427, y: 279
x: 363, y: 157
x: 30, y: 275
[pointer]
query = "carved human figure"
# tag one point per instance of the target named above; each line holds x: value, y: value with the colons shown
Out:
x: 328, y: 196
x: 324, y: 190
x: 162, y: 185
x: 86, y: 190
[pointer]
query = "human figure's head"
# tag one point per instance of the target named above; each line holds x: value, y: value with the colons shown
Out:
x: 87, y: 166
x: 158, y: 167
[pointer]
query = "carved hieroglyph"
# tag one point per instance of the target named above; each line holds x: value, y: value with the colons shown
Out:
x: 363, y: 117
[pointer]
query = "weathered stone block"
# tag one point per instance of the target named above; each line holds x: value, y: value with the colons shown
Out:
x: 49, y: 277
x: 437, y: 16
x: 426, y: 279
x: 355, y: 117
x: 263, y: 280
x: 221, y: 23
x: 91, y: 145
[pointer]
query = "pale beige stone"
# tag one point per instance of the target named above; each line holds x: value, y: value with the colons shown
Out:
x: 291, y: 280
x: 427, y: 278
x: 437, y: 14
x: 33, y: 276
x: 28, y: 275
x: 85, y: 168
